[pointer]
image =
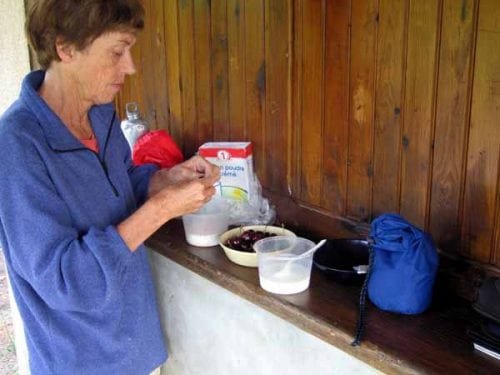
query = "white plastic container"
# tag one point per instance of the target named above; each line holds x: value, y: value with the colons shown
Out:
x: 204, y: 227
x: 283, y: 269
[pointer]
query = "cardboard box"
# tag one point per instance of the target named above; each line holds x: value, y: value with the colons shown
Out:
x: 236, y: 168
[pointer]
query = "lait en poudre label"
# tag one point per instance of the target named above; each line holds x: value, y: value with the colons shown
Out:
x: 236, y: 167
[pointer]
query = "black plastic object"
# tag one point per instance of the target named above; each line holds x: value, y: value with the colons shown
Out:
x: 488, y: 299
x: 337, y: 257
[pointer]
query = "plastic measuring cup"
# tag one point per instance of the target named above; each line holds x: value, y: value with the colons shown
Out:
x: 203, y: 227
x: 284, y: 268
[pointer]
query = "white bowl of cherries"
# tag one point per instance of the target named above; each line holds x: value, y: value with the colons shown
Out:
x: 238, y: 242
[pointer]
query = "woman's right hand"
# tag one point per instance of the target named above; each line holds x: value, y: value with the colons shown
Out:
x: 185, y: 197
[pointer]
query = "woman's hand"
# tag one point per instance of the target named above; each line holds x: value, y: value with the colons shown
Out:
x: 172, y: 193
x: 192, y: 169
x: 184, y: 196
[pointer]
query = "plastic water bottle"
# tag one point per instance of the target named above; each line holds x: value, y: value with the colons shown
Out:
x: 133, y: 127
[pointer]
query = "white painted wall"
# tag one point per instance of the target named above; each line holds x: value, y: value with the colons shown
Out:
x: 211, y: 331
x: 14, y: 60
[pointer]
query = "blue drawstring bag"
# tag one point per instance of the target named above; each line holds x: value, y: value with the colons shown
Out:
x: 404, y: 266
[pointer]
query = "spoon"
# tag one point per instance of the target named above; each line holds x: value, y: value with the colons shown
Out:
x: 285, y: 269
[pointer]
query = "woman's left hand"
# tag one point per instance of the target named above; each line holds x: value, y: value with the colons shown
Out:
x: 193, y: 168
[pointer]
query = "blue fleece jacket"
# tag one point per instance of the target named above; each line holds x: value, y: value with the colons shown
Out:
x: 87, y: 302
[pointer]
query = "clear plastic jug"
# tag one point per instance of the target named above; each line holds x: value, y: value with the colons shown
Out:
x: 204, y: 227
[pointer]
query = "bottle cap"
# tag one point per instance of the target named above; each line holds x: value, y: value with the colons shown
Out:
x: 132, y: 111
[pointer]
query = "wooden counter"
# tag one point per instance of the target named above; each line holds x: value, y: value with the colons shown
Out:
x: 432, y: 342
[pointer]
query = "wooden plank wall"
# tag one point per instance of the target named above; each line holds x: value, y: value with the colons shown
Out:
x: 354, y: 107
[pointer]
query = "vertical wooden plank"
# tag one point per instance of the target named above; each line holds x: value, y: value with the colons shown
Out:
x: 173, y: 72
x: 452, y: 120
x: 312, y: 101
x: 143, y: 77
x: 296, y: 101
x: 155, y: 89
x: 418, y: 112
x: 187, y: 71
x: 236, y: 53
x: 495, y: 248
x: 278, y: 69
x: 388, y: 103
x: 142, y: 87
x: 484, y: 136
x: 336, y: 107
x: 202, y: 71
x: 255, y: 82
x: 220, y: 90
x: 361, y: 107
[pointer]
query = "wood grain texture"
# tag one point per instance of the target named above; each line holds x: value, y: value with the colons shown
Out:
x: 312, y: 101
x: 160, y: 68
x: 236, y: 69
x: 219, y: 62
x: 495, y: 248
x: 188, y: 74
x: 354, y: 108
x: 202, y: 50
x: 278, y: 28
x: 390, y: 65
x: 296, y: 100
x: 173, y: 71
x: 484, y: 138
x: 255, y: 80
x: 364, y: 18
x: 420, y: 87
x: 336, y: 105
x: 452, y: 119
x: 154, y: 107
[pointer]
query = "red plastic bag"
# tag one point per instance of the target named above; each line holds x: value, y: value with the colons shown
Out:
x: 157, y: 147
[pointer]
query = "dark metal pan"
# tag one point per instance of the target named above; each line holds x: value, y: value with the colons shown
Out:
x: 339, y: 259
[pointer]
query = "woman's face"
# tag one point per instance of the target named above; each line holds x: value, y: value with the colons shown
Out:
x: 99, y: 70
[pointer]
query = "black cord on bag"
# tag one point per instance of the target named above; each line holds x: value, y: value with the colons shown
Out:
x: 360, y: 325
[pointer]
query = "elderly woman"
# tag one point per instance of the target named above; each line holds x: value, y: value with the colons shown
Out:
x: 74, y: 211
